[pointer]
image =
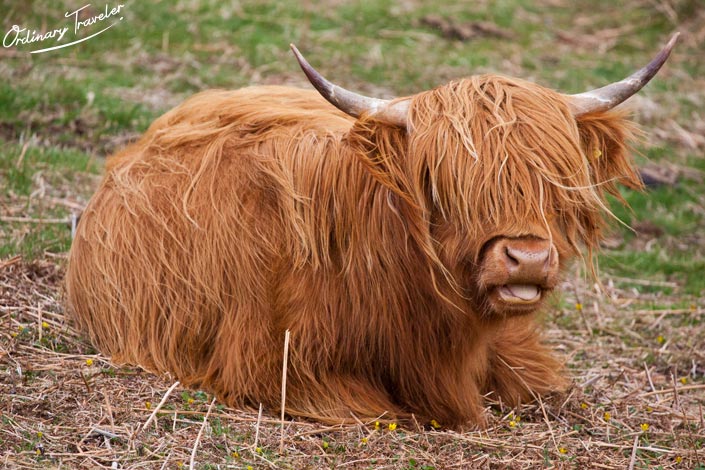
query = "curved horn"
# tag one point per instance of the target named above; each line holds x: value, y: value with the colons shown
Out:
x: 613, y: 94
x: 351, y: 103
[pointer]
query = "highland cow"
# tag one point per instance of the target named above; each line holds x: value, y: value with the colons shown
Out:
x: 407, y: 245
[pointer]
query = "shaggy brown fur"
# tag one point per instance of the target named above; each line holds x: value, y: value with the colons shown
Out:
x: 241, y: 214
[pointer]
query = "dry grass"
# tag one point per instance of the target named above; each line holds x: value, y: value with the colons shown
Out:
x: 635, y: 350
x: 631, y: 355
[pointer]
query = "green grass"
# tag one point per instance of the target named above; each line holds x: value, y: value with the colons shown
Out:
x: 28, y: 175
x: 676, y: 251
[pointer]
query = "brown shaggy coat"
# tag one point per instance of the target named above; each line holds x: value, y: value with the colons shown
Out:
x: 241, y: 214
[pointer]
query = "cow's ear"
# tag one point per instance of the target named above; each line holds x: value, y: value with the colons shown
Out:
x: 605, y: 138
x: 381, y: 148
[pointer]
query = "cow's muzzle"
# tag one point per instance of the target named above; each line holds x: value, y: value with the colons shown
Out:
x: 516, y: 273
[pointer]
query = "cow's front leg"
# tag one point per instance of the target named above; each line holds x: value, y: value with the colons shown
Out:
x: 521, y: 368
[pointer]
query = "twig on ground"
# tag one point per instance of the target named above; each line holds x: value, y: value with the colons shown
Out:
x: 18, y: 162
x: 200, y: 433
x: 632, y: 459
x: 104, y: 433
x: 644, y: 282
x: 66, y: 203
x: 158, y: 407
x: 648, y: 376
x: 33, y: 220
x: 259, y: 420
x: 10, y: 261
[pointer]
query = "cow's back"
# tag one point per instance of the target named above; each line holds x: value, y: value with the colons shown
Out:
x: 180, y: 239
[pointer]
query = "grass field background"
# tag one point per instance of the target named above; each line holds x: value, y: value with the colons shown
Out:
x: 636, y: 350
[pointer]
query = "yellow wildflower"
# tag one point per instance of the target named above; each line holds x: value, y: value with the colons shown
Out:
x: 190, y: 401
x: 562, y: 450
x: 512, y: 424
x: 45, y: 325
x: 392, y: 426
x: 325, y: 444
x: 578, y: 306
x: 584, y: 406
x: 40, y: 434
x: 363, y: 440
x: 258, y: 450
x: 89, y: 362
x: 435, y: 424
x: 607, y: 416
x: 660, y: 339
x: 684, y: 380
x: 679, y: 459
x: 148, y: 405
x: 644, y: 426
x: 235, y: 455
x: 649, y: 409
x: 376, y: 425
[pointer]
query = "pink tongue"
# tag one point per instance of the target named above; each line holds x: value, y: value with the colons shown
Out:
x: 523, y: 291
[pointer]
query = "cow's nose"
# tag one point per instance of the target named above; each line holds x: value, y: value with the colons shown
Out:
x: 528, y: 258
